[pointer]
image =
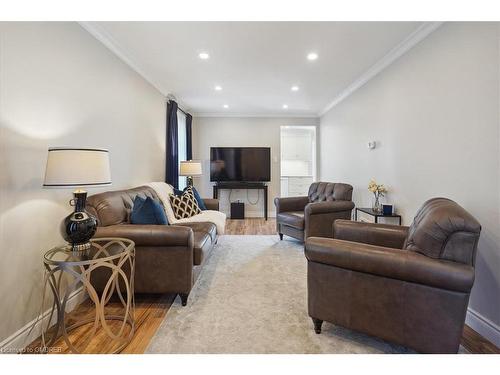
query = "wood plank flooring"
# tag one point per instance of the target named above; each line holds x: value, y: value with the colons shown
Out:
x: 477, y: 344
x: 151, y: 310
x: 251, y: 226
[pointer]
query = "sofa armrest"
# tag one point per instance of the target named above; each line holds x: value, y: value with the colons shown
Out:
x: 385, y: 235
x: 150, y: 235
x: 211, y: 204
x: 290, y: 204
x: 391, y: 263
x: 328, y: 207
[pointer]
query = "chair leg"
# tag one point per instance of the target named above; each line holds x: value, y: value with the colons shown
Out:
x: 281, y: 236
x: 184, y: 298
x: 317, y: 325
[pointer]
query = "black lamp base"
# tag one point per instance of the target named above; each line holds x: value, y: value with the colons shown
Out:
x: 79, y: 227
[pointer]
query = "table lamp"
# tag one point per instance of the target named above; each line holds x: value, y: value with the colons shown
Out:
x: 190, y: 168
x: 77, y: 168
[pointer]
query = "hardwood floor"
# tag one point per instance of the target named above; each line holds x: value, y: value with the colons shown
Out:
x: 477, y: 344
x: 251, y: 226
x: 151, y: 310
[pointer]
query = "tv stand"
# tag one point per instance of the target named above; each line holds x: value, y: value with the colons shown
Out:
x: 241, y: 185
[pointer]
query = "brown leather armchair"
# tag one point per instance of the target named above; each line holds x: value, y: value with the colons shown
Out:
x: 410, y: 285
x: 314, y: 214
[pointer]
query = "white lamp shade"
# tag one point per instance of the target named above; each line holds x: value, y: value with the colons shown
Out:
x: 77, y: 167
x: 190, y: 168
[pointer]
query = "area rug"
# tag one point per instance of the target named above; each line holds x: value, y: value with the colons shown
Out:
x: 251, y: 298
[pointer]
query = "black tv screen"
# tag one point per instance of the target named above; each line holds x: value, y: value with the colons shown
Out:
x: 248, y: 164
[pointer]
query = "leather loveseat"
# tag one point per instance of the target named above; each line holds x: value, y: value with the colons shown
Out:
x: 168, y: 258
x: 314, y: 214
x: 409, y: 285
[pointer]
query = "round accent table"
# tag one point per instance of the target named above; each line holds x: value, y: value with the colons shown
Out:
x: 103, y: 272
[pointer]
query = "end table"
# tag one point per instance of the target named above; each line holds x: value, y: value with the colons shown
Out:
x: 369, y: 211
x: 109, y: 260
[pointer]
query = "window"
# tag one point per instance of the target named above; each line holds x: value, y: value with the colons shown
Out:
x: 182, y: 144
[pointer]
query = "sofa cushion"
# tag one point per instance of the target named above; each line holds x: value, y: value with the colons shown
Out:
x: 216, y: 217
x: 292, y: 218
x: 202, y: 244
x: 208, y: 228
x: 114, y: 207
x: 147, y: 211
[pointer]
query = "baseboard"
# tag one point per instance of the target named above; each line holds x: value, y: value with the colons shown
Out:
x: 16, y: 342
x: 483, y: 326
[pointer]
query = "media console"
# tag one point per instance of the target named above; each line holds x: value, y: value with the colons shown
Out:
x: 241, y: 185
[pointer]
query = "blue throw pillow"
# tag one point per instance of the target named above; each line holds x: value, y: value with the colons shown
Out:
x: 200, y: 202
x: 147, y: 211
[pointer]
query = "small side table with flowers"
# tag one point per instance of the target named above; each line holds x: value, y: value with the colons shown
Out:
x: 378, y: 190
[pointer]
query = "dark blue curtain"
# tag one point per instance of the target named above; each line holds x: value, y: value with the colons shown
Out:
x: 172, y: 157
x: 189, y: 140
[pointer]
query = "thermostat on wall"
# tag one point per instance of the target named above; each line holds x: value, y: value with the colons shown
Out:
x: 372, y: 145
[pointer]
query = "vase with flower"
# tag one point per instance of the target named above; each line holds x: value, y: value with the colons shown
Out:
x: 378, y: 191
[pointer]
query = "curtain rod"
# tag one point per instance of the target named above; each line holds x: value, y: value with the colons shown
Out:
x: 183, y: 111
x: 179, y: 107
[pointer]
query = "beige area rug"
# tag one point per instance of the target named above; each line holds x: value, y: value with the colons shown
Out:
x: 251, y: 298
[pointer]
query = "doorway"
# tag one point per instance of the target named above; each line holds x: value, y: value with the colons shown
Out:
x: 298, y: 159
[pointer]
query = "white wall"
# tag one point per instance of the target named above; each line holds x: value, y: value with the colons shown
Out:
x: 61, y: 87
x: 435, y: 116
x: 240, y: 132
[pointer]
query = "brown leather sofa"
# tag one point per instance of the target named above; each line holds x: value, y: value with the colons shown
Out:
x: 410, y: 285
x: 168, y: 258
x: 314, y: 214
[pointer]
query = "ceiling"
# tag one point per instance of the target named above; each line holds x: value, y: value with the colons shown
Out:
x: 255, y: 63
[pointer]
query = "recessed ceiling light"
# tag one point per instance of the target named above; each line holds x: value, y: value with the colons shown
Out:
x: 312, y: 56
x: 217, y: 88
x: 285, y: 106
x: 295, y: 88
x: 204, y: 56
x: 225, y: 106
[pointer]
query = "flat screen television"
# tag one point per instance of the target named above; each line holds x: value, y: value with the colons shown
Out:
x: 241, y: 164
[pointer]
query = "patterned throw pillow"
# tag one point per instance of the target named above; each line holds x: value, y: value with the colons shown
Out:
x: 185, y: 205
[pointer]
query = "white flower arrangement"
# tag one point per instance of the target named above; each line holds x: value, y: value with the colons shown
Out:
x: 378, y: 191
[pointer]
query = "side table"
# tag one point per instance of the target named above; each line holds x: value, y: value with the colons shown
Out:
x: 112, y: 262
x: 376, y: 215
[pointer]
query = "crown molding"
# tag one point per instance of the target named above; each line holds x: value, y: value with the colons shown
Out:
x: 102, y: 36
x: 404, y: 46
x: 261, y: 115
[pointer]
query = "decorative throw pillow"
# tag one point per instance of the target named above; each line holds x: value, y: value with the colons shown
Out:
x: 199, y: 200
x: 185, y: 205
x: 147, y: 211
